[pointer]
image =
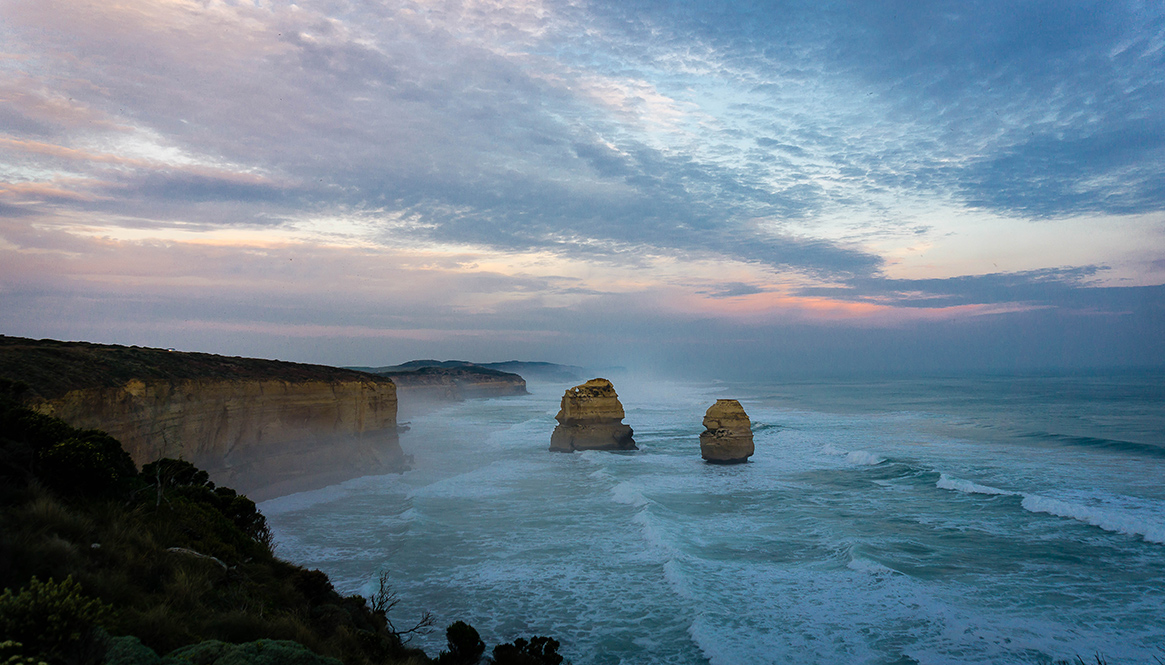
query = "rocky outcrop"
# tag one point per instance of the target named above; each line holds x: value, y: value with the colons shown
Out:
x: 728, y: 437
x: 591, y: 418
x: 262, y: 437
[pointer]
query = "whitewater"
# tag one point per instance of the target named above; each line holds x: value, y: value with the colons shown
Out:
x: 935, y: 520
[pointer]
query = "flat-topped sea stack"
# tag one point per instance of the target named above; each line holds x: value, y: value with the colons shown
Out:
x: 728, y: 438
x: 591, y: 418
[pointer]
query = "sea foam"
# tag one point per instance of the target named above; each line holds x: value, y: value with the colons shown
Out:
x: 1108, y: 519
x: 862, y: 457
x: 947, y: 483
x: 627, y: 494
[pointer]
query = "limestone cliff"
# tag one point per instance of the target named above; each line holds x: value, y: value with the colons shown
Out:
x: 263, y: 427
x: 262, y: 438
x: 591, y: 418
x: 727, y: 438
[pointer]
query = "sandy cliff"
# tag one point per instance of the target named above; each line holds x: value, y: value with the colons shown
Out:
x: 263, y: 438
x: 262, y: 427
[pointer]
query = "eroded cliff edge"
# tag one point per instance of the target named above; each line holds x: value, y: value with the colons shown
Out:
x: 263, y: 427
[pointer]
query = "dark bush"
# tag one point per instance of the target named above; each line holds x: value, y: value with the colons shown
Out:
x: 538, y: 651
x: 178, y: 478
x: 465, y: 645
x: 313, y: 584
x: 175, y: 473
x: 90, y: 464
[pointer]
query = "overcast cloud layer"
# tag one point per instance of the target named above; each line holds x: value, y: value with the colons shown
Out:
x: 893, y: 184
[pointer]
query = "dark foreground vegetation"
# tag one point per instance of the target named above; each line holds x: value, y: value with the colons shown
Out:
x: 103, y: 563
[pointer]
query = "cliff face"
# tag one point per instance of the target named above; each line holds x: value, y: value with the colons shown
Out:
x: 591, y: 418
x: 264, y: 438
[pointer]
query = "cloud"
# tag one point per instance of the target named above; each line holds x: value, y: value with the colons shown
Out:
x: 11, y: 211
x: 1051, y: 287
x: 809, y: 148
x: 1112, y: 170
x: 732, y: 290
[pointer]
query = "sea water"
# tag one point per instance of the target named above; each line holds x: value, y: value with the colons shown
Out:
x: 937, y: 520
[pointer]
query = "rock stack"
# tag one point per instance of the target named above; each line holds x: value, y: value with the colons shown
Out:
x: 591, y: 418
x: 728, y: 439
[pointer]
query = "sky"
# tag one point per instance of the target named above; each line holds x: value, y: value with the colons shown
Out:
x: 722, y: 189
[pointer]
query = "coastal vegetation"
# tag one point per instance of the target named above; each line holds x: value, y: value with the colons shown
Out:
x: 101, y: 562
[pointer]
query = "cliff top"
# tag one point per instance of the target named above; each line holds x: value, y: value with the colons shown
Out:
x: 593, y: 388
x: 52, y: 368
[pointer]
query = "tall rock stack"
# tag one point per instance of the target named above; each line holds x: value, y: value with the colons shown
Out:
x: 728, y: 438
x: 591, y: 418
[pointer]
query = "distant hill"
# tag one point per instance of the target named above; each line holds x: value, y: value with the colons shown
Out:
x: 449, y: 380
x: 537, y: 371
x: 531, y: 371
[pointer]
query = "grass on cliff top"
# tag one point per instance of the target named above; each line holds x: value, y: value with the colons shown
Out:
x: 52, y: 368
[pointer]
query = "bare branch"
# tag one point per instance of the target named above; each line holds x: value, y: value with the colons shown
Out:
x: 385, y: 599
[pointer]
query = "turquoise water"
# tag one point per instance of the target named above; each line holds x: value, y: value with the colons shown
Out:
x: 969, y: 520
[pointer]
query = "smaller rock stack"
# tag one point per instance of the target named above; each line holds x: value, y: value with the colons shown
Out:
x: 728, y: 439
x: 591, y: 418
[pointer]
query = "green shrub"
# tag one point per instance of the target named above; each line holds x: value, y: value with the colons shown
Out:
x: 129, y: 650
x: 54, y: 621
x: 260, y: 652
x: 12, y: 653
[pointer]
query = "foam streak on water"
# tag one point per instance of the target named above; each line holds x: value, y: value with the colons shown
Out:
x: 924, y: 524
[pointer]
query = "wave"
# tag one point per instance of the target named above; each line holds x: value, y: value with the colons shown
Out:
x: 1110, y: 519
x: 1107, y: 519
x: 863, y: 458
x: 761, y: 427
x: 655, y: 537
x: 677, y: 580
x: 860, y: 457
x: 868, y: 566
x: 626, y: 493
x: 947, y: 483
x: 1147, y: 449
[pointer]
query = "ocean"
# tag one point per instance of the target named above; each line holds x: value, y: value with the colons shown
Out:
x: 974, y: 519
